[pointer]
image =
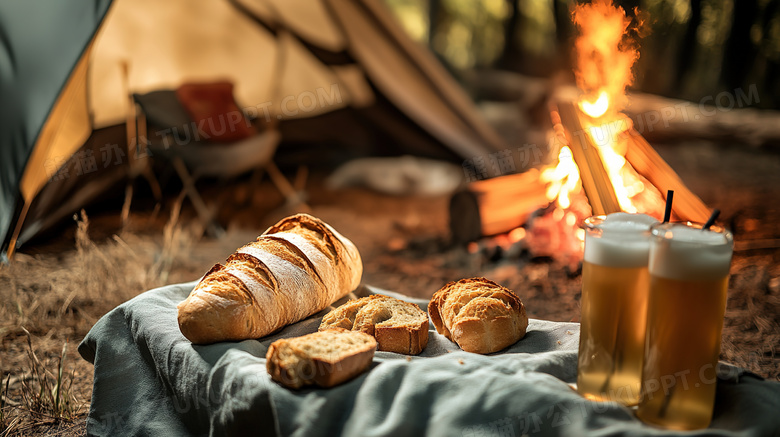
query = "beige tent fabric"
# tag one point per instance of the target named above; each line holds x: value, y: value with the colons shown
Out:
x: 307, y: 87
x: 448, y: 89
x: 356, y: 85
x: 412, y: 79
x: 167, y: 43
x: 164, y: 44
x: 310, y: 20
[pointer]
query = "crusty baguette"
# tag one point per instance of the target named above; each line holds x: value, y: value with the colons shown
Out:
x: 296, y: 268
x: 398, y: 326
x: 324, y: 358
x: 479, y: 315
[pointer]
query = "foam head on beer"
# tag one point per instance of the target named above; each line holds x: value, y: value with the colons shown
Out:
x: 621, y: 242
x: 690, y: 253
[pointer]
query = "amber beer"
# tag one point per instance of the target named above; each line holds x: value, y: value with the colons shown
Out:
x: 689, y: 270
x: 614, y: 301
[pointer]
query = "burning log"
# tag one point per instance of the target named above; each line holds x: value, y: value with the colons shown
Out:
x: 595, y: 180
x: 648, y: 163
x: 495, y: 206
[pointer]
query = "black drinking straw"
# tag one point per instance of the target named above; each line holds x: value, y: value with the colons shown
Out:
x: 711, y: 220
x: 668, y: 211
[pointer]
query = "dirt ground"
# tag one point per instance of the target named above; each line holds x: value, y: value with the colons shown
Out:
x: 58, y: 289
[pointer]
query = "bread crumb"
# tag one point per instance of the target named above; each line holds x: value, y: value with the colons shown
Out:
x: 559, y: 342
x: 460, y: 361
x: 408, y: 358
x: 569, y: 332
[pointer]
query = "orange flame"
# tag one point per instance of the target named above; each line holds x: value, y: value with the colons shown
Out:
x: 605, y: 57
x: 563, y: 179
x: 604, y: 60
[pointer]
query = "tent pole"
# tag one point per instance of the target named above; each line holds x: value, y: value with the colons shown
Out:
x: 17, y: 230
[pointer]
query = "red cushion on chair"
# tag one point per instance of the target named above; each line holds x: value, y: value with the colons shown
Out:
x: 213, y: 109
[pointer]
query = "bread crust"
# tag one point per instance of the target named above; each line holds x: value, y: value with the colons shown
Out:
x: 387, y: 319
x: 291, y: 365
x: 294, y: 269
x: 479, y: 315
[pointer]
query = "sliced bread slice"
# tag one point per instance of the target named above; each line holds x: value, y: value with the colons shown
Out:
x: 398, y: 326
x: 325, y: 358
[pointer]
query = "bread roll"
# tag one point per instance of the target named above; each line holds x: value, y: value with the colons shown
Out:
x: 325, y: 358
x: 398, y: 326
x: 296, y: 268
x: 479, y: 315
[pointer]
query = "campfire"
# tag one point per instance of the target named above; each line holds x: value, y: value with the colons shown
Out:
x: 604, y: 165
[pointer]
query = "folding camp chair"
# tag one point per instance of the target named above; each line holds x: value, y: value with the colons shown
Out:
x: 171, y: 134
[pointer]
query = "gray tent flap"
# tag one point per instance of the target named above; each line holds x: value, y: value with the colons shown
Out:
x: 40, y: 43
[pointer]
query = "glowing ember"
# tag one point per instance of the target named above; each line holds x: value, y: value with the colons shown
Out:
x: 516, y: 234
x: 502, y: 241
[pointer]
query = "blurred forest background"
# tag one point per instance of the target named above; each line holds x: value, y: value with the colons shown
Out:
x: 692, y: 48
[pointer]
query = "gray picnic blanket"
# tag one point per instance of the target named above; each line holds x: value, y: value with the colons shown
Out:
x: 150, y: 380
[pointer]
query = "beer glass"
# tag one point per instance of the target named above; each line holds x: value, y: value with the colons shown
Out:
x: 689, y: 270
x: 614, y: 302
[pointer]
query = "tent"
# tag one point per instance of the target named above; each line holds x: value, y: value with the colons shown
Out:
x: 324, y: 68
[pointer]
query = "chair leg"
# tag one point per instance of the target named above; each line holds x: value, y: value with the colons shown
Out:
x: 300, y: 178
x: 146, y: 171
x: 292, y: 197
x: 212, y: 228
x: 153, y: 183
x: 176, y: 210
x: 126, y: 204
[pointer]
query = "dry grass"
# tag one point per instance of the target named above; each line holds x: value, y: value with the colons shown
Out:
x: 751, y: 332
x: 52, y: 301
x: 46, y: 396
